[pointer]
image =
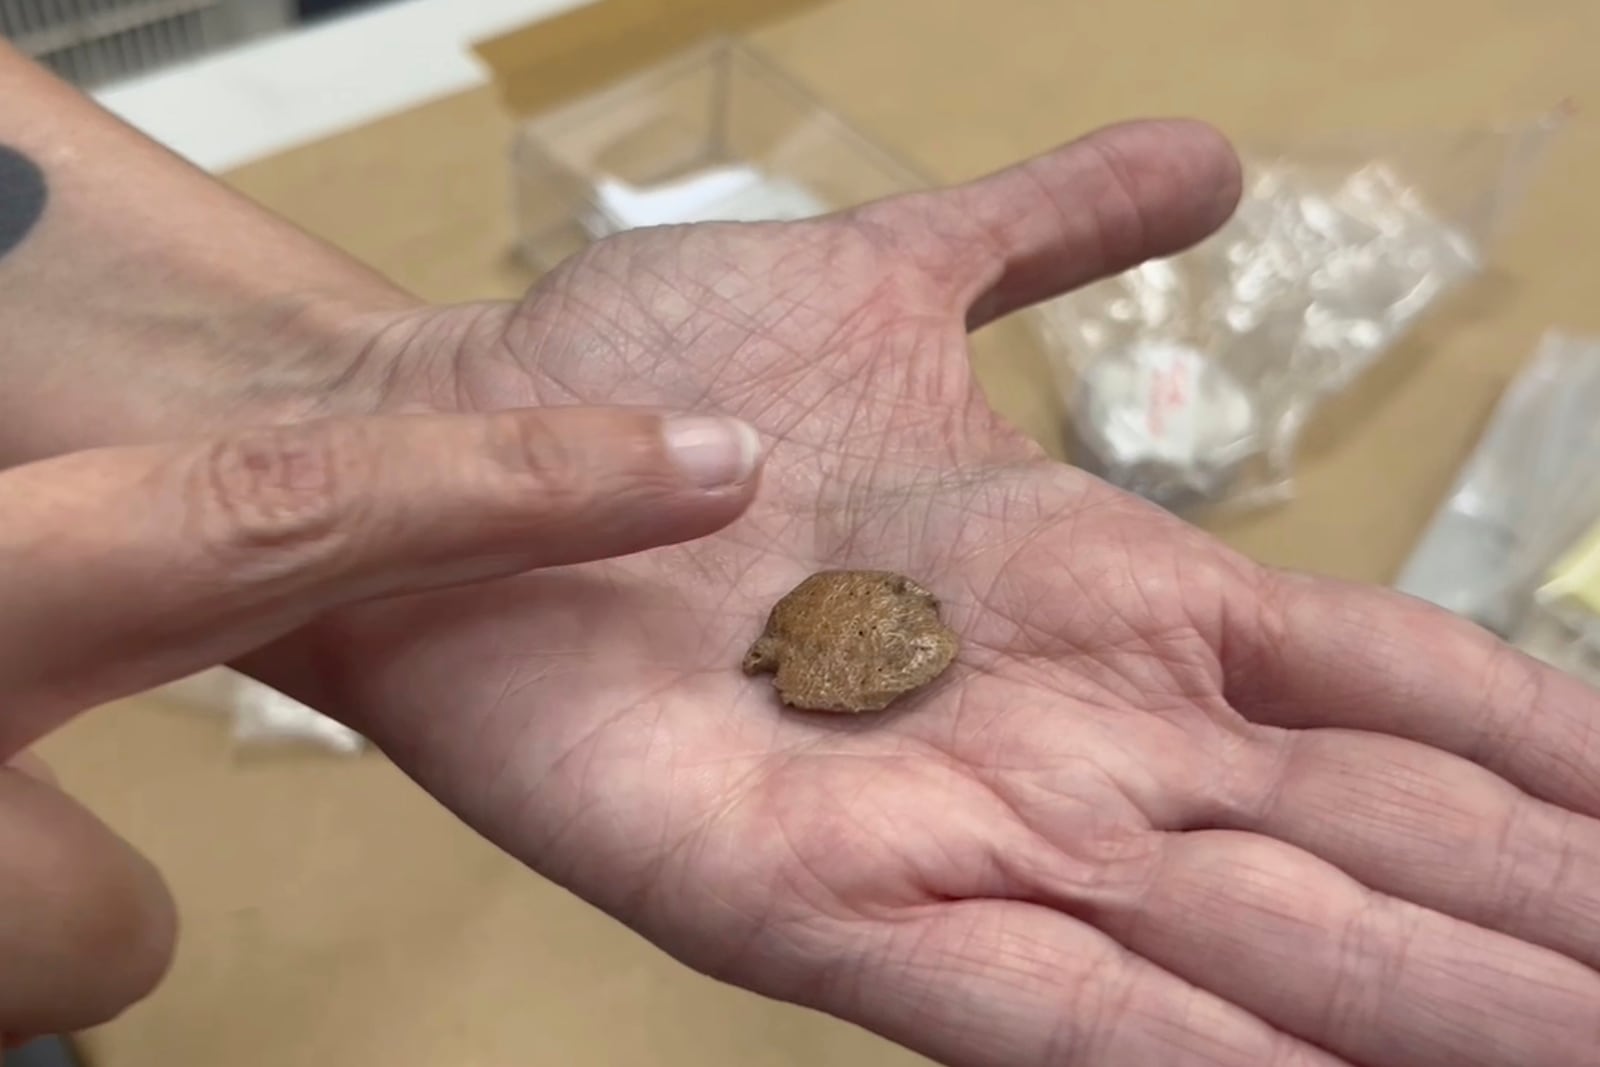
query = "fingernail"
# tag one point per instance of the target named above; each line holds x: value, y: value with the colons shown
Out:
x: 712, y: 452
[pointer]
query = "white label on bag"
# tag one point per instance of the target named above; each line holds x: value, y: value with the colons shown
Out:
x: 1167, y: 377
x: 1146, y: 404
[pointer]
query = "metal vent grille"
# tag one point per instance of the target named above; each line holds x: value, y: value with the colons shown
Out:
x: 92, y: 42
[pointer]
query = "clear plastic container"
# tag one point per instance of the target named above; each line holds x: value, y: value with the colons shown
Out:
x: 717, y: 133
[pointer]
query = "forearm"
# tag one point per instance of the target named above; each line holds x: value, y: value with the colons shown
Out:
x: 140, y: 298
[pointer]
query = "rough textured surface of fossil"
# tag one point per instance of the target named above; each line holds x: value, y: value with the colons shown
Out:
x: 852, y: 641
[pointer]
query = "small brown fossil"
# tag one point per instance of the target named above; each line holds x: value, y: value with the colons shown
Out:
x: 852, y: 641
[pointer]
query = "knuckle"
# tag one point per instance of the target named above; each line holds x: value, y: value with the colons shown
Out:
x: 278, y: 498
x: 546, y: 468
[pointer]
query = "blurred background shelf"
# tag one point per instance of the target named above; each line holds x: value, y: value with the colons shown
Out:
x: 94, y: 42
x: 226, y: 82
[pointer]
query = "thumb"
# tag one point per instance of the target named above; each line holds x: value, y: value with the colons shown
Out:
x: 127, y: 568
x: 1103, y: 203
x: 86, y: 924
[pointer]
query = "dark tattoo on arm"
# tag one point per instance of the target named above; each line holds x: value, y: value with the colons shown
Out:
x: 22, y: 197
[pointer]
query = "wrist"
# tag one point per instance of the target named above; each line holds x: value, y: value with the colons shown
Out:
x: 141, y: 299
x: 190, y: 372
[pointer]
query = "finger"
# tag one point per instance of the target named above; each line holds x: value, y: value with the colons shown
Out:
x: 1318, y: 653
x: 1097, y: 206
x: 86, y: 925
x: 1378, y: 981
x: 983, y: 982
x: 1434, y: 829
x: 124, y: 569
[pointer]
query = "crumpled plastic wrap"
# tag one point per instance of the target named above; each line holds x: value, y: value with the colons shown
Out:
x: 1529, y: 490
x: 1189, y: 379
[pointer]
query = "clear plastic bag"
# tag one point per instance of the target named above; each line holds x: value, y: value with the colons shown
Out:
x: 1189, y: 379
x: 261, y: 716
x: 1529, y: 490
x: 1562, y: 623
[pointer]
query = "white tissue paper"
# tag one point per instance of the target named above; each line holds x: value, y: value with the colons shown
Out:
x: 261, y: 715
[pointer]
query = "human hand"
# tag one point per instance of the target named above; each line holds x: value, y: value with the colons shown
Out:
x: 1167, y: 808
x: 127, y: 568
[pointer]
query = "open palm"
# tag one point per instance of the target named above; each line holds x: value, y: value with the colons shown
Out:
x: 1166, y: 808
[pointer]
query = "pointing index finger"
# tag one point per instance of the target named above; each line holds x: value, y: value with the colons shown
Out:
x: 127, y: 568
